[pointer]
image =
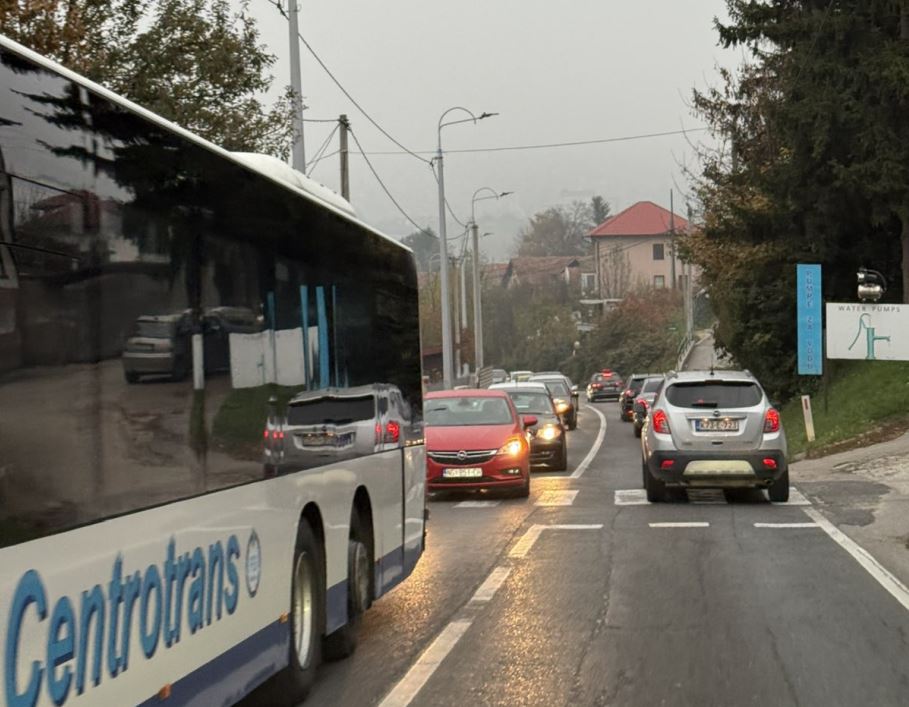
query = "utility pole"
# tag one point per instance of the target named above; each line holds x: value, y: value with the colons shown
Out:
x: 443, y: 272
x: 672, y: 237
x: 296, y: 84
x: 345, y: 169
x: 599, y: 276
x: 463, y: 265
x: 477, y: 306
x: 457, y: 323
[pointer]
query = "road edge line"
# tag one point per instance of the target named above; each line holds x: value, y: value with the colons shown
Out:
x: 880, y: 573
x: 601, y: 435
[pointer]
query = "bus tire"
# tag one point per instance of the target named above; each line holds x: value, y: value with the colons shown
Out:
x: 343, y: 642
x: 307, y: 611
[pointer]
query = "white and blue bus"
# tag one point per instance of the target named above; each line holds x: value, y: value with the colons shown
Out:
x: 211, y: 441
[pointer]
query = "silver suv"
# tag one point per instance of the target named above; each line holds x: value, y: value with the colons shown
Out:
x: 711, y: 429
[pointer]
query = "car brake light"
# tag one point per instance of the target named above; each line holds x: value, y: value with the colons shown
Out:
x: 667, y: 464
x: 660, y: 422
x: 772, y: 421
x: 770, y: 464
x: 392, y: 431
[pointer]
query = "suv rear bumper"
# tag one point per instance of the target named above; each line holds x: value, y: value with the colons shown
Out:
x: 717, y: 469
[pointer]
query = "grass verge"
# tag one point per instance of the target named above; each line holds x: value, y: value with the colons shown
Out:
x: 864, y: 402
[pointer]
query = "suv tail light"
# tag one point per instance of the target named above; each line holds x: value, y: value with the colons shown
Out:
x: 660, y: 422
x: 392, y: 432
x: 772, y: 421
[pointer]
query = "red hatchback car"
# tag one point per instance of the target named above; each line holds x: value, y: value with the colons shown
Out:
x: 475, y: 439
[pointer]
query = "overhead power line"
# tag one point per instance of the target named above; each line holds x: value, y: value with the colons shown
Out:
x: 343, y: 90
x: 548, y: 145
x: 382, y: 184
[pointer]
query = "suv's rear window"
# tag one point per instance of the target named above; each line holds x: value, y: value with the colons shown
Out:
x: 652, y: 385
x: 718, y: 394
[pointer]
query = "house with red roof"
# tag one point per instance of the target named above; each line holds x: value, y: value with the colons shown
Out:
x: 634, y: 249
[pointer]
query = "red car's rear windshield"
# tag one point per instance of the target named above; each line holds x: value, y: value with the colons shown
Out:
x: 467, y: 410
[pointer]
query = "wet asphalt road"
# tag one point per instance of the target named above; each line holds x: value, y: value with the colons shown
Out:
x: 627, y: 613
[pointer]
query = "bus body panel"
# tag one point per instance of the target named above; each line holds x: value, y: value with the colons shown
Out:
x: 123, y: 486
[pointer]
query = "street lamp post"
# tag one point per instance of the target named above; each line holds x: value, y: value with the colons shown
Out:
x: 443, y: 240
x: 477, y: 290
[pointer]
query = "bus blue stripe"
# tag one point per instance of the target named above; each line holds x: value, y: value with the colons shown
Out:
x: 234, y: 673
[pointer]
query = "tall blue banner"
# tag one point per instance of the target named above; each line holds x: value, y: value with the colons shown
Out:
x: 810, y: 321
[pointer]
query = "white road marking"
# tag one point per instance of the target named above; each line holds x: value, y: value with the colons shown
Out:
x: 785, y: 525
x: 556, y: 498
x: 585, y: 462
x: 527, y: 541
x: 403, y: 693
x: 631, y: 497
x: 488, y: 589
x: 883, y: 576
x: 796, y: 498
x: 522, y: 546
x: 477, y: 504
x: 679, y: 525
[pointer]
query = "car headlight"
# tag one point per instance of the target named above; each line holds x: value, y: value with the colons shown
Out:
x: 561, y: 406
x: 514, y: 447
x: 549, y: 433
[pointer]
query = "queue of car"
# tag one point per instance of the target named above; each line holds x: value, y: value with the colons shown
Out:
x: 712, y: 429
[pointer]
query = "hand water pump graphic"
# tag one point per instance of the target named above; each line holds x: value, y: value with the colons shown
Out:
x: 870, y: 338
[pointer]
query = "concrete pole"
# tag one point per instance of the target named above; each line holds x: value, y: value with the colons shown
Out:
x: 296, y: 83
x: 462, y: 263
x: 457, y: 322
x: 345, y: 165
x: 477, y: 304
x: 443, y: 272
x: 672, y: 238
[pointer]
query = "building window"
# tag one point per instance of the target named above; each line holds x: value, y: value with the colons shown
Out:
x: 658, y: 251
x: 588, y: 281
x: 659, y: 281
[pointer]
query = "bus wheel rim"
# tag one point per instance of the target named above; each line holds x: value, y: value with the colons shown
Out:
x: 303, y: 610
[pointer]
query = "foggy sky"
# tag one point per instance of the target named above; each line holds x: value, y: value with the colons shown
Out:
x: 554, y: 71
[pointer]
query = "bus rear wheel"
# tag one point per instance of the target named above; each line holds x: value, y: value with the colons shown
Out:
x: 306, y: 620
x: 343, y: 642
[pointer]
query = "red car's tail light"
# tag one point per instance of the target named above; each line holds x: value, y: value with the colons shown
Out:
x: 772, y: 421
x: 660, y: 422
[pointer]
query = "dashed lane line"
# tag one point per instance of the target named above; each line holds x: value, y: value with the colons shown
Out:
x: 556, y: 498
x: 488, y: 589
x: 529, y: 538
x: 880, y: 573
x: 680, y: 525
x: 699, y: 497
x: 403, y: 693
x: 785, y: 525
x: 631, y: 497
x: 477, y: 504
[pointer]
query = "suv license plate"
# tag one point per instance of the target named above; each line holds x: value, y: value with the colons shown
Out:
x: 470, y: 472
x: 720, y: 425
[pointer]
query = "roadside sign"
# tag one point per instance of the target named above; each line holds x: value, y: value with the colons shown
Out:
x: 868, y: 331
x: 810, y: 324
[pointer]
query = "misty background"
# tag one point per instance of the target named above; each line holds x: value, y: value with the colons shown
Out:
x: 555, y: 72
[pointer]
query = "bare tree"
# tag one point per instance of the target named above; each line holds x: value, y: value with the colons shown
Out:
x: 615, y: 269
